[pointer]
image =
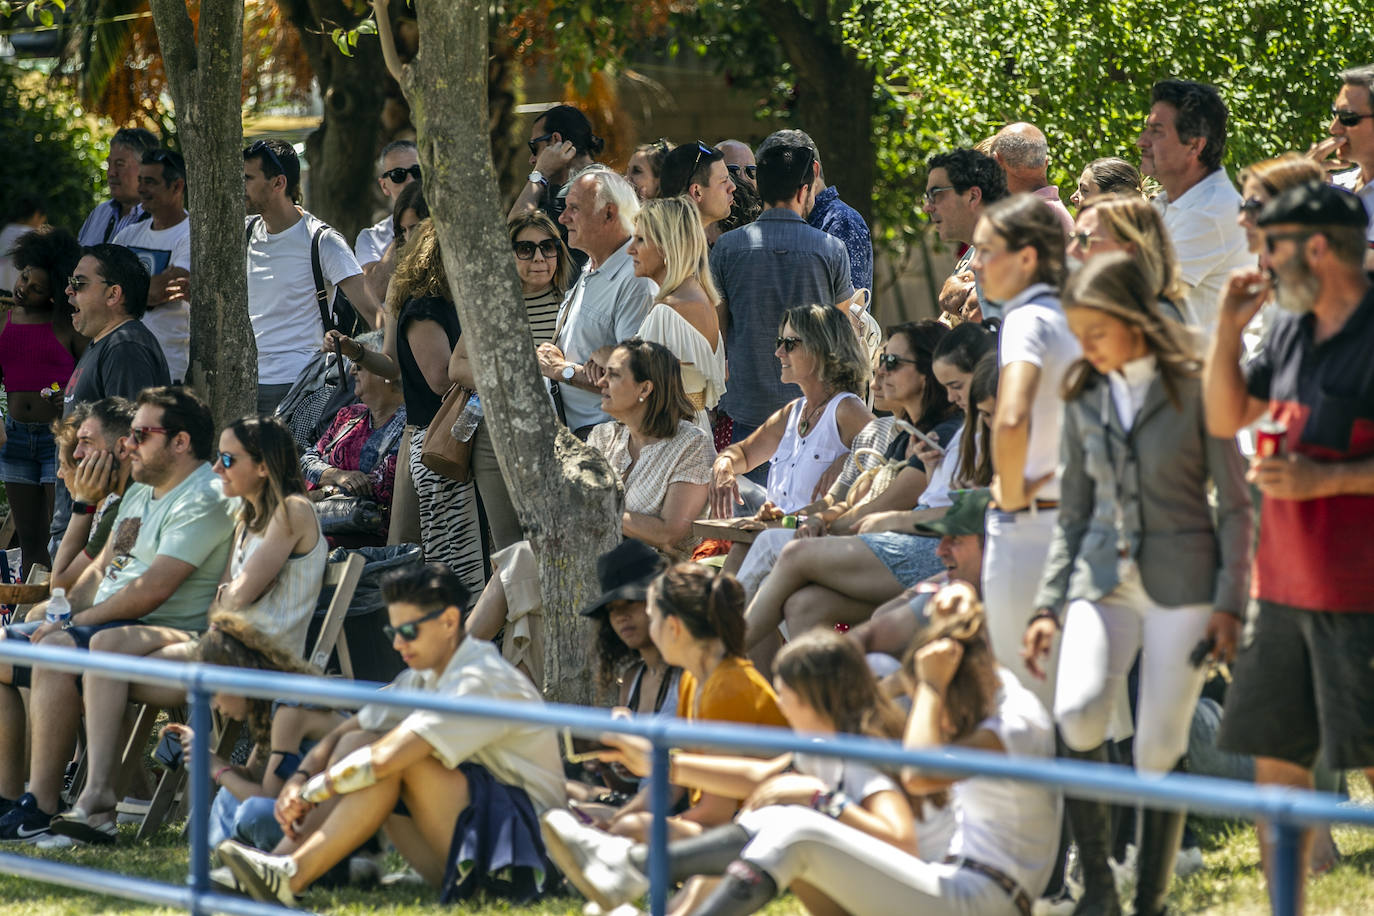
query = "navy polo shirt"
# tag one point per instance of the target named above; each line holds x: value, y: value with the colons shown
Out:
x: 1317, y: 554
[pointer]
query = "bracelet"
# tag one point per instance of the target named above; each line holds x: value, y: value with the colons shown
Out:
x: 220, y: 772
x: 80, y: 508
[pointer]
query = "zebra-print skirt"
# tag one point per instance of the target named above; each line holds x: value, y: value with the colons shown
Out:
x: 450, y: 528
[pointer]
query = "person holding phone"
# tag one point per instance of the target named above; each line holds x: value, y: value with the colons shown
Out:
x: 1136, y: 556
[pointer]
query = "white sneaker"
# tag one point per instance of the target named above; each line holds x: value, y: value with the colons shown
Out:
x: 54, y: 841
x: 222, y: 879
x: 597, y: 863
x: 1189, y: 862
x: 263, y: 877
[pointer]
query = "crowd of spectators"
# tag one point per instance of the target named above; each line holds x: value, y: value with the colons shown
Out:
x: 1132, y: 451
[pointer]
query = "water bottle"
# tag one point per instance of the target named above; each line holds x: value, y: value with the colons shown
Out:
x: 467, y: 421
x: 59, y: 608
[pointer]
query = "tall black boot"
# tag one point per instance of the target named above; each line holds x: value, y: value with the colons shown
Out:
x: 1092, y: 832
x: 1161, y: 832
x: 745, y: 889
x: 709, y: 853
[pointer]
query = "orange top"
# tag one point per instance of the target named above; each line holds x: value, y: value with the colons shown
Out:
x: 735, y: 692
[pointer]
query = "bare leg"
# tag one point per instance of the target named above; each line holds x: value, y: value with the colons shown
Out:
x: 815, y: 606
x: 55, y: 705
x: 735, y: 558
x: 844, y: 565
x: 1272, y: 771
x: 320, y: 813
x: 636, y: 827
x: 32, y: 509
x: 890, y: 628
x: 13, y: 734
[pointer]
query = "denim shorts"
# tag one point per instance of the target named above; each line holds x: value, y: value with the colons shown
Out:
x: 29, y: 455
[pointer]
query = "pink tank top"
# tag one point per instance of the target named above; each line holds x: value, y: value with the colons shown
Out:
x: 32, y: 358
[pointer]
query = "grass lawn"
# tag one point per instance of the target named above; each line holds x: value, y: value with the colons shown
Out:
x: 1231, y: 885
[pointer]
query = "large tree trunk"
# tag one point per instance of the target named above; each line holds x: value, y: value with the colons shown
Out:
x: 567, y: 497
x: 204, y: 72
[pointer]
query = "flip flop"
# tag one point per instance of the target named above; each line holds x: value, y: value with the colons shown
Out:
x: 76, y: 824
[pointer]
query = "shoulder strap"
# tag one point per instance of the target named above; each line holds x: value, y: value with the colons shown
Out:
x: 321, y: 295
x: 249, y: 227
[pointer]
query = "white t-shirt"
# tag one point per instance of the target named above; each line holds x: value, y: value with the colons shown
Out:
x: 372, y: 241
x: 1011, y: 825
x: 936, y: 493
x: 170, y: 323
x: 517, y: 754
x: 1208, y: 241
x: 1348, y: 180
x: 1035, y: 331
x: 281, y: 294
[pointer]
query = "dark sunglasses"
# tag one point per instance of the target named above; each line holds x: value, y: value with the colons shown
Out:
x: 525, y: 250
x: 702, y: 150
x: 891, y: 361
x: 749, y: 171
x: 789, y: 344
x: 1349, y: 118
x: 261, y: 148
x: 534, y: 144
x: 398, y: 175
x: 140, y: 434
x: 79, y: 283
x: 1250, y: 206
x: 1084, y: 239
x: 226, y: 460
x: 411, y: 628
x: 1272, y: 239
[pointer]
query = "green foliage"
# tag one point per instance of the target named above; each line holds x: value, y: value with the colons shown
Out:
x: 50, y: 145
x: 953, y: 74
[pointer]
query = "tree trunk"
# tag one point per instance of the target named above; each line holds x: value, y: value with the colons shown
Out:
x: 204, y: 73
x: 567, y: 497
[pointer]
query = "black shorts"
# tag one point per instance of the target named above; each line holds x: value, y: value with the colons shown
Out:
x: 1304, y: 685
x: 82, y: 636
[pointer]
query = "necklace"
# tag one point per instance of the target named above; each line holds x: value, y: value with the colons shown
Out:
x: 810, y: 415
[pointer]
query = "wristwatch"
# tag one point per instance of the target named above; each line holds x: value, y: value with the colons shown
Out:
x: 568, y: 372
x: 537, y: 177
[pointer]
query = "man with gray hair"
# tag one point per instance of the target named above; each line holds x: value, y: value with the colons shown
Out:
x: 124, y: 208
x: 608, y: 302
x: 1352, y: 141
x: 1024, y: 154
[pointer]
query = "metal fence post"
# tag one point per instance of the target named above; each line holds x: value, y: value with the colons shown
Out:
x: 198, y: 785
x: 658, y: 831
x: 1285, y: 871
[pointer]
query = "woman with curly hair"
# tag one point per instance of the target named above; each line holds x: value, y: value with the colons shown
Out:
x: 38, y: 350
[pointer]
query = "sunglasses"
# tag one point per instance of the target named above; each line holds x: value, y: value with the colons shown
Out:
x: 398, y: 175
x: 750, y: 171
x: 77, y: 283
x: 1250, y: 206
x: 525, y: 250
x: 891, y: 361
x: 932, y: 193
x: 1271, y: 240
x: 1349, y: 118
x: 261, y: 148
x: 534, y: 144
x: 789, y: 344
x: 702, y: 150
x: 140, y: 434
x: 409, y: 630
x: 1084, y: 239
x: 226, y: 460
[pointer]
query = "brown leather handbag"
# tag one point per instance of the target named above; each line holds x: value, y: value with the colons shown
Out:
x: 442, y: 453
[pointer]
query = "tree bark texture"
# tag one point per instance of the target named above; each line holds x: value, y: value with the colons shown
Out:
x: 204, y: 72
x: 568, y: 499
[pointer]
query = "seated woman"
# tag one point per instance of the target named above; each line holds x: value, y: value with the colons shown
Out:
x: 669, y: 248
x: 272, y: 581
x: 824, y: 688
x: 471, y: 789
x: 357, y: 454
x: 663, y: 460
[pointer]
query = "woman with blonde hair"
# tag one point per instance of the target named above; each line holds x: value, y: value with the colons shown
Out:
x: 1130, y: 223
x: 669, y: 247
x: 545, y: 267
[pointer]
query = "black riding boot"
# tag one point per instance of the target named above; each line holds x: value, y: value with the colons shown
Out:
x: 745, y: 889
x: 1092, y: 832
x: 709, y: 853
x: 1161, y: 832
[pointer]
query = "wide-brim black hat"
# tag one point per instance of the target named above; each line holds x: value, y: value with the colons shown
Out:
x: 625, y: 573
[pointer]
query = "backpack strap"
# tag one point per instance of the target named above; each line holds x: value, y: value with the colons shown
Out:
x: 321, y: 294
x: 249, y: 227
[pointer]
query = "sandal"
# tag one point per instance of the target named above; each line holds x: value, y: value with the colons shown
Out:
x: 76, y: 824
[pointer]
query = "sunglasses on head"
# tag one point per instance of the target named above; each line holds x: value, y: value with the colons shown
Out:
x: 789, y: 344
x: 702, y: 150
x: 891, y: 361
x: 525, y: 250
x: 1349, y: 118
x: 140, y: 434
x: 749, y: 171
x: 409, y: 630
x: 534, y: 144
x: 398, y: 174
x: 262, y: 148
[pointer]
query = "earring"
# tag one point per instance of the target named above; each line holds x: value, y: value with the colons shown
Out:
x: 641, y: 400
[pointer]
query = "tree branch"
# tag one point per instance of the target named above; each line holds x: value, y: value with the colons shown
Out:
x: 176, y: 37
x: 388, y: 40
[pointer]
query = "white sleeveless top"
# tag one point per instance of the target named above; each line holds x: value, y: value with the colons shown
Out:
x: 284, y: 611
x: 800, y: 461
x: 703, y: 369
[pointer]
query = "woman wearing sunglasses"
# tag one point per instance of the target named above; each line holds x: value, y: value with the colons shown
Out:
x: 1129, y: 223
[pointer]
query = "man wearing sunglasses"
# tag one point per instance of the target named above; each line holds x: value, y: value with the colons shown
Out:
x: 740, y: 163
x: 561, y: 145
x: 398, y: 166
x: 1352, y: 141
x: 698, y: 172
x: 470, y: 788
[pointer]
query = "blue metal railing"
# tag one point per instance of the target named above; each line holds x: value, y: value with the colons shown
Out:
x: 1288, y: 811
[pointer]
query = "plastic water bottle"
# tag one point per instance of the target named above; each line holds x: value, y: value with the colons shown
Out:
x: 59, y: 608
x: 467, y: 421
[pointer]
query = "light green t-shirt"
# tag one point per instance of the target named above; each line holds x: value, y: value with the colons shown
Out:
x: 192, y: 523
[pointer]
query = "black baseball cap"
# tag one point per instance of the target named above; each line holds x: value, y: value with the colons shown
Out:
x: 625, y: 573
x: 1315, y: 203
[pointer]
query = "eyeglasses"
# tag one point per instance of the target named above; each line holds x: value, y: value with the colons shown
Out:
x: 525, y: 250
x: 409, y: 630
x: 534, y: 144
x: 398, y: 175
x: 1272, y: 239
x: 890, y: 361
x: 750, y: 171
x: 77, y: 283
x: 226, y: 460
x: 932, y: 193
x: 1251, y: 206
x: 1084, y: 239
x: 140, y: 434
x: 789, y: 344
x: 261, y: 148
x: 1349, y: 118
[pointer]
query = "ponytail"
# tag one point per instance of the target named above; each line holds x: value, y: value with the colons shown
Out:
x: 710, y: 606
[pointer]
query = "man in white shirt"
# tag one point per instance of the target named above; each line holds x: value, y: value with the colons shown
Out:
x: 1181, y: 148
x: 1352, y: 140
x: 400, y: 165
x: 282, y: 298
x: 608, y: 302
x: 121, y: 175
x: 163, y: 244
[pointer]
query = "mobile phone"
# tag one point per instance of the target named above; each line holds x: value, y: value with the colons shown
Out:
x: 1200, y: 652
x: 572, y: 755
x: 167, y: 754
x: 929, y: 440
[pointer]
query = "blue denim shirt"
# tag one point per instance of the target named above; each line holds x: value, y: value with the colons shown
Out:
x: 835, y: 217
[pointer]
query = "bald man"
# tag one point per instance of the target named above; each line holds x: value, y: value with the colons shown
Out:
x: 739, y: 160
x: 1024, y: 154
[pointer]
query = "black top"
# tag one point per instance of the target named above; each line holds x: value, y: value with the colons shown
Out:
x: 421, y: 401
x: 122, y: 363
x: 941, y: 432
